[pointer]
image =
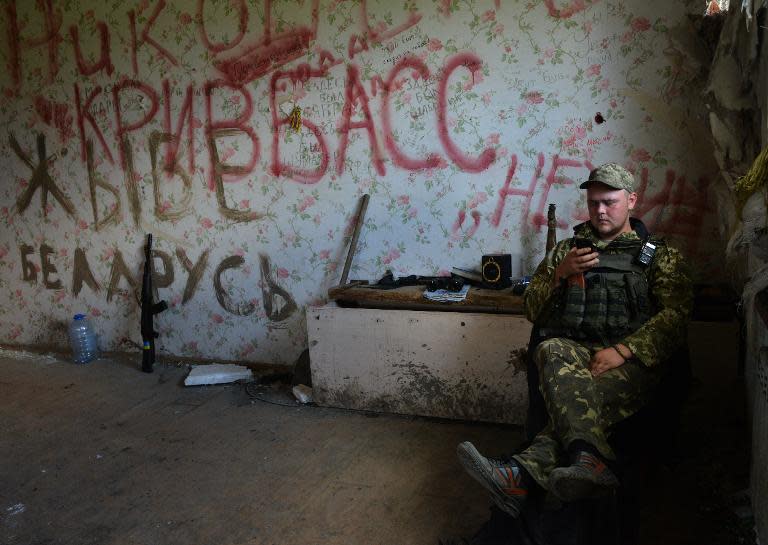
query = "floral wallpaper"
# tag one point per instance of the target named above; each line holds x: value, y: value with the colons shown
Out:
x: 463, y: 120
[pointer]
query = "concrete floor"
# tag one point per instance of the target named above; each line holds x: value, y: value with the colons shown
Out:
x: 104, y: 454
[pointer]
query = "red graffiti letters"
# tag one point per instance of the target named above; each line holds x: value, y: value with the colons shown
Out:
x: 301, y: 74
x: 357, y: 44
x: 572, y: 8
x: 84, y: 114
x: 123, y: 128
x: 186, y: 116
x: 507, y: 191
x: 472, y: 62
x: 105, y: 60
x: 56, y: 115
x: 355, y: 93
x: 242, y: 12
x: 51, y: 37
x: 459, y: 223
x: 398, y: 157
x: 146, y: 38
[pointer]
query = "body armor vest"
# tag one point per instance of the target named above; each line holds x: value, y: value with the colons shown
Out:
x: 614, y: 302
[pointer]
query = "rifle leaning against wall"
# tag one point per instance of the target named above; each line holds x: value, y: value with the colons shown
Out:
x: 148, y: 310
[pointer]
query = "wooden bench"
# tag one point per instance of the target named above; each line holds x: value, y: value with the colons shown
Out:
x: 395, y: 351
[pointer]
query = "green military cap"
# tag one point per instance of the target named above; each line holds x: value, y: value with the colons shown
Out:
x: 612, y: 175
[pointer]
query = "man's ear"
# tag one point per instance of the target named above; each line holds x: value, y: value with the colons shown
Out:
x: 632, y: 200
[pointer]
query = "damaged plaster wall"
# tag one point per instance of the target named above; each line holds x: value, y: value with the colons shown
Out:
x: 737, y: 98
x: 463, y: 120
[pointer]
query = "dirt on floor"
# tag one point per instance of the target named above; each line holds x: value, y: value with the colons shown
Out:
x: 104, y: 454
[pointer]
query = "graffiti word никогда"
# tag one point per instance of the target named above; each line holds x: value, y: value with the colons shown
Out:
x: 238, y: 59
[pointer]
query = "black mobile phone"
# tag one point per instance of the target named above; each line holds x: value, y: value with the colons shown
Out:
x: 584, y: 243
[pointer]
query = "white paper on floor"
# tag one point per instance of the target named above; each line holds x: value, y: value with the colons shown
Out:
x: 302, y: 393
x: 217, y: 373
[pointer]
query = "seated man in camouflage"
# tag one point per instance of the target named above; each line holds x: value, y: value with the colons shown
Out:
x: 612, y: 304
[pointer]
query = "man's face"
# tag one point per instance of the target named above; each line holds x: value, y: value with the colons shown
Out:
x: 609, y: 209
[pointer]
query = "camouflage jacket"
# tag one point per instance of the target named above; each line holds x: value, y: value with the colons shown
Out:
x: 669, y: 286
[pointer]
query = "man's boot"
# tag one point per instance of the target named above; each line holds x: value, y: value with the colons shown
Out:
x: 505, y: 480
x: 587, y: 477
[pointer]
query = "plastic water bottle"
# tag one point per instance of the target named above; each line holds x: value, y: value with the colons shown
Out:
x: 82, y: 339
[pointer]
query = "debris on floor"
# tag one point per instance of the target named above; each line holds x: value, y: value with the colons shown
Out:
x: 17, y: 509
x: 217, y: 373
x: 275, y: 389
x: 25, y: 355
x: 303, y: 393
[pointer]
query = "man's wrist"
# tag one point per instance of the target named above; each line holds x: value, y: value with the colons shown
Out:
x: 621, y: 355
x: 624, y: 350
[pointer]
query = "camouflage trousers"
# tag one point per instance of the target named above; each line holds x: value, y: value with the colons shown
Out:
x: 580, y: 406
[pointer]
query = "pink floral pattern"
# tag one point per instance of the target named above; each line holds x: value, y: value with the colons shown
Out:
x: 457, y: 163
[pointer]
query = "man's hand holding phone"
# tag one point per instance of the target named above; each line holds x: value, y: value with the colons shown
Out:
x: 579, y: 259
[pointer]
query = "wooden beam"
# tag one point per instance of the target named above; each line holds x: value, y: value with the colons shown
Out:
x: 412, y: 298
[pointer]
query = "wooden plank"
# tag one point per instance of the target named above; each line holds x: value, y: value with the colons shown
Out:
x: 412, y: 297
x: 464, y: 366
x: 353, y: 243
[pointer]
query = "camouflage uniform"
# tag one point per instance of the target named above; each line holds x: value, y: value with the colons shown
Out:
x: 583, y: 407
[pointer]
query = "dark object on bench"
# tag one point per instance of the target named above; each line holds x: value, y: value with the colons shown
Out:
x: 453, y: 283
x: 433, y: 283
